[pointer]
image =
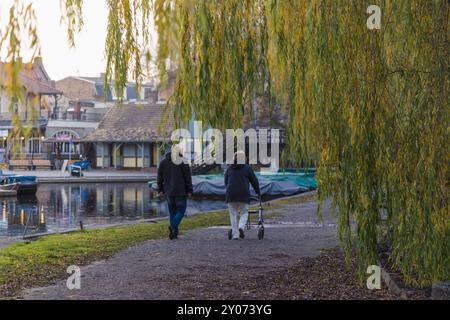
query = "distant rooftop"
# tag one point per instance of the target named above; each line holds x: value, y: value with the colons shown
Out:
x: 131, y: 123
x: 130, y: 94
x: 33, y: 77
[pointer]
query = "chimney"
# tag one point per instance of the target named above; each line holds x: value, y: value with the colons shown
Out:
x: 77, y: 111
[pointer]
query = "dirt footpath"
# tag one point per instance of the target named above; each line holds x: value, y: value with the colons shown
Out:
x: 204, y: 264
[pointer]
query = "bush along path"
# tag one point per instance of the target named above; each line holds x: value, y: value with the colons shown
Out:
x: 297, y: 259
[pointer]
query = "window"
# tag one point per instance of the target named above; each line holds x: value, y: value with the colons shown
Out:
x: 34, y: 145
x: 65, y: 146
x: 147, y: 93
x: 114, y: 95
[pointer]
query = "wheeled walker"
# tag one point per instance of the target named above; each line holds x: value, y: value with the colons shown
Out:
x: 259, y: 224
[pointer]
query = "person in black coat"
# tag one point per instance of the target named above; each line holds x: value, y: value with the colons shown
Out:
x: 238, y: 178
x: 175, y: 182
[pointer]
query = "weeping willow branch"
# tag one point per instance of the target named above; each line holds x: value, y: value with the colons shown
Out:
x: 20, y: 32
x: 381, y: 145
x: 126, y: 42
x: 72, y: 16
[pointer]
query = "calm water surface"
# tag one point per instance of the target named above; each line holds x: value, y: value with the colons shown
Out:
x: 61, y: 206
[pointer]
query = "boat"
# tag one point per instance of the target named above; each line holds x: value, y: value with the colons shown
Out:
x: 8, y: 189
x: 24, y: 184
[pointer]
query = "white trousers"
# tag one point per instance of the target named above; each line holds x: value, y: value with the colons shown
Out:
x: 235, y: 208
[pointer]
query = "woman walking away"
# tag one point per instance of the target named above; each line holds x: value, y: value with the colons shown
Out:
x: 238, y: 178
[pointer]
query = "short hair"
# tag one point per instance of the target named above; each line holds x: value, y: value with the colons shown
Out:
x: 238, y: 154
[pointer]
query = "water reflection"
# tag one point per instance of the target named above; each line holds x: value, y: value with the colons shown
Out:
x: 62, y: 206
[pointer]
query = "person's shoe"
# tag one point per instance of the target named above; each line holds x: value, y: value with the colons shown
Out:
x: 241, y: 233
x: 235, y: 238
x: 171, y: 233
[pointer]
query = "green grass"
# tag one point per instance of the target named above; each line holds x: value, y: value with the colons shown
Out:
x: 302, y: 198
x: 45, y: 260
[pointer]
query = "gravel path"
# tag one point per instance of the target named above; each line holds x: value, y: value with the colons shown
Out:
x: 202, y: 264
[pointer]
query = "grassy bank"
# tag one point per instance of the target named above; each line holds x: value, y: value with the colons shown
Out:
x: 45, y: 260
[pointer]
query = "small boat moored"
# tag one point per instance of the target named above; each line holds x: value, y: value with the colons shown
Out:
x: 22, y: 184
x: 7, y: 189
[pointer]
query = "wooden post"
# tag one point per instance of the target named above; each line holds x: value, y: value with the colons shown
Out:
x: 115, y: 155
x: 157, y: 154
x: 103, y: 155
x: 143, y: 147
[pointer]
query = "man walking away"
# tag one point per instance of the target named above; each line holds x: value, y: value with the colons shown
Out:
x: 238, y: 178
x: 175, y: 182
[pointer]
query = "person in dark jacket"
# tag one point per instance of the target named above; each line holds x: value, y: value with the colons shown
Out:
x: 174, y: 182
x: 238, y: 178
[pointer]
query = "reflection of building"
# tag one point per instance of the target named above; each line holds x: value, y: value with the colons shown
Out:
x: 123, y: 200
x: 39, y: 98
x: 22, y: 216
x: 128, y: 137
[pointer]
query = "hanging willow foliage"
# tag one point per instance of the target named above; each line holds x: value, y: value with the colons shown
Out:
x: 222, y: 57
x: 19, y: 31
x: 370, y: 107
x: 127, y: 42
x: 72, y: 16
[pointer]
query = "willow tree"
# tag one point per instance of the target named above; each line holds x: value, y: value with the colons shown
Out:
x: 370, y: 107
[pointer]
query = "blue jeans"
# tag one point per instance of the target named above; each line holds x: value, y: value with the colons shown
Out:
x: 177, y: 208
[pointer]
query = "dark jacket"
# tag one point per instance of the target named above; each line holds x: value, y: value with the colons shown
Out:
x: 174, y: 180
x: 238, y: 178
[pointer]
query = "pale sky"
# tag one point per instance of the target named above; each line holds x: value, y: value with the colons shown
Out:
x: 88, y: 58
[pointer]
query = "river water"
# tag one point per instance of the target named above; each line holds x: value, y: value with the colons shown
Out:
x: 58, y: 207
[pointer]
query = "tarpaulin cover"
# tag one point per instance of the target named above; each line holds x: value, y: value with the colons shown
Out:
x: 271, y: 184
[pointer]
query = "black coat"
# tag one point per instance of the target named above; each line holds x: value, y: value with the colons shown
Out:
x: 174, y: 180
x: 238, y: 178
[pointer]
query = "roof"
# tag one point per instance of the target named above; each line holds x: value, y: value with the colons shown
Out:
x: 101, y: 80
x: 33, y: 77
x: 131, y: 123
x: 131, y: 92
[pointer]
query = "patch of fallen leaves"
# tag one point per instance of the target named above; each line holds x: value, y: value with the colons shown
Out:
x: 324, y: 277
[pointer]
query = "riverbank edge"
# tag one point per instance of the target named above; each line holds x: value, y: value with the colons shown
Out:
x: 44, y: 261
x: 309, y: 196
x: 75, y: 180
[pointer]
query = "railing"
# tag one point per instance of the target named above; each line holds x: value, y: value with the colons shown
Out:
x: 78, y: 116
x: 200, y: 166
x: 44, y: 114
